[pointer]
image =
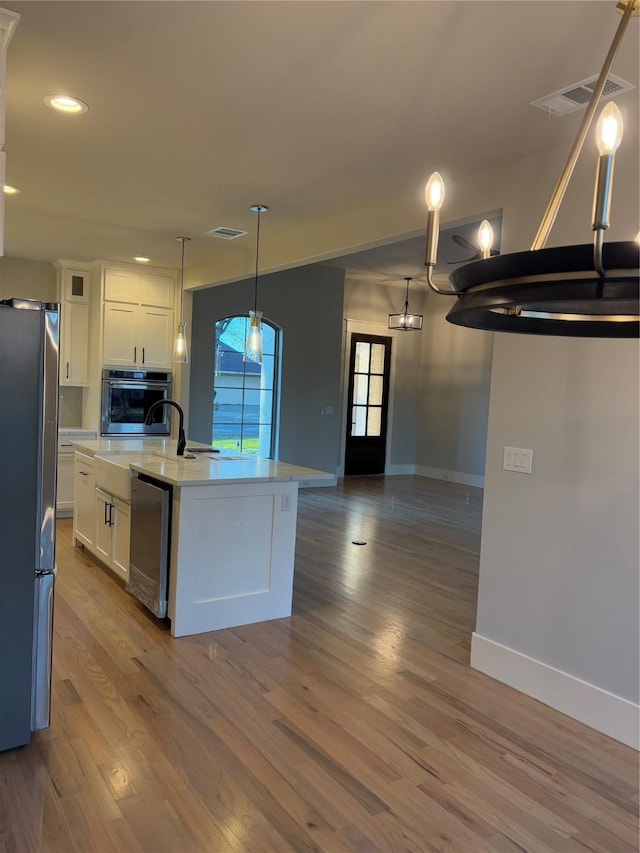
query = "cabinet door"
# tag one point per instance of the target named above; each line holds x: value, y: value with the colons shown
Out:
x: 104, y: 520
x: 121, y: 286
x: 64, y: 488
x: 84, y: 503
x: 156, y: 290
x: 156, y: 327
x: 75, y: 285
x: 121, y: 335
x: 74, y: 355
x: 121, y: 536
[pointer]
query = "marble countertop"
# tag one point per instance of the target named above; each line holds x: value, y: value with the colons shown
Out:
x: 157, y: 458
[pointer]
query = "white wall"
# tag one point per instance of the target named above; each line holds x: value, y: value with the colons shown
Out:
x: 558, y: 596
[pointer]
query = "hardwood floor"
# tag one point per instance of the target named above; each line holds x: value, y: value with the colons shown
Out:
x: 356, y: 725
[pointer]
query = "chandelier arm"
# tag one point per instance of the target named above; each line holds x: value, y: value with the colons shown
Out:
x: 598, y: 235
x: 557, y: 196
x: 434, y: 286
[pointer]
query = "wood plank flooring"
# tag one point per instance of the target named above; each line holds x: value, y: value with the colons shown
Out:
x: 356, y: 725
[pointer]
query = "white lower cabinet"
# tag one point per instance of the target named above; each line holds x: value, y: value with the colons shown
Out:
x: 64, y: 487
x: 67, y: 473
x: 113, y: 532
x: 84, y: 504
x: 101, y: 521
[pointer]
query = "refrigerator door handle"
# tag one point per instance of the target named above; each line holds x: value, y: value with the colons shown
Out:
x: 49, y: 437
x: 42, y: 649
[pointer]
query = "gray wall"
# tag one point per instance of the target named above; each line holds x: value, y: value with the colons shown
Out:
x: 455, y: 372
x: 307, y: 304
x: 559, y: 556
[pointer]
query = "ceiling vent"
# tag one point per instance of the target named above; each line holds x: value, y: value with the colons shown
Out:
x: 577, y: 96
x: 226, y: 233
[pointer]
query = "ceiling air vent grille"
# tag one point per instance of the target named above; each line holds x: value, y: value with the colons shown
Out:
x: 225, y: 233
x: 578, y: 95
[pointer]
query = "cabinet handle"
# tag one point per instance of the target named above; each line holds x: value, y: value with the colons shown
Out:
x: 135, y: 354
x: 106, y: 521
x: 67, y: 370
x: 143, y: 355
x: 110, y: 516
x: 83, y: 473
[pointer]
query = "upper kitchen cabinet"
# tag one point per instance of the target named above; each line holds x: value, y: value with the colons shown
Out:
x: 135, y: 288
x: 138, y: 318
x: 73, y: 295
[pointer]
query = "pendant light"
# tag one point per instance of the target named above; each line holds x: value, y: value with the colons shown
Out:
x: 405, y: 321
x: 579, y: 291
x: 180, y: 352
x: 253, y: 346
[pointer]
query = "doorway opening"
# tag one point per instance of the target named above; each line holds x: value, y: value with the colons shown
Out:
x: 367, y: 404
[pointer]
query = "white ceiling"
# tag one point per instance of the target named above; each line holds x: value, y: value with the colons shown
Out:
x: 322, y: 110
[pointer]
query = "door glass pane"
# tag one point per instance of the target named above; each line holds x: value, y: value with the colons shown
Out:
x: 375, y: 390
x: 362, y: 357
x: 377, y: 358
x: 360, y: 383
x: 374, y: 421
x: 359, y: 420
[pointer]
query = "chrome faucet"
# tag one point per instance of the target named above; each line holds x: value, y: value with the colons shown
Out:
x: 182, y: 441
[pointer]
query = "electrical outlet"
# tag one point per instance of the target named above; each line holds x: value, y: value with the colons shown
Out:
x: 517, y: 459
x: 286, y: 502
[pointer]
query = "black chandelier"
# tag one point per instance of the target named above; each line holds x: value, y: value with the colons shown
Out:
x: 580, y: 291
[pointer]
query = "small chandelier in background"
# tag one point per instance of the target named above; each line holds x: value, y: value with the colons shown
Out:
x: 253, y: 346
x: 180, y: 352
x: 579, y: 291
x: 405, y: 321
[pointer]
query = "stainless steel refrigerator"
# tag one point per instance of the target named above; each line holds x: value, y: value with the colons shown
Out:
x: 29, y: 334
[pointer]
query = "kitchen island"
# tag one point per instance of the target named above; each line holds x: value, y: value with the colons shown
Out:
x: 233, y: 526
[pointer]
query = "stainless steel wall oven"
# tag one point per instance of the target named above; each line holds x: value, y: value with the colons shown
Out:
x: 126, y: 398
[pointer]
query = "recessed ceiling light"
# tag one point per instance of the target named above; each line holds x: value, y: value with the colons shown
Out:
x: 10, y: 190
x: 139, y: 259
x: 66, y: 104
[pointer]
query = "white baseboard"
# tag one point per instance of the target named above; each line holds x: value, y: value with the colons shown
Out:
x: 452, y: 476
x: 603, y: 711
x: 317, y: 484
x: 394, y: 470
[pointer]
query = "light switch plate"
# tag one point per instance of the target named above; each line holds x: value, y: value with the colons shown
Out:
x: 517, y: 459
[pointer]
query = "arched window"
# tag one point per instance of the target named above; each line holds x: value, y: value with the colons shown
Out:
x: 244, y: 393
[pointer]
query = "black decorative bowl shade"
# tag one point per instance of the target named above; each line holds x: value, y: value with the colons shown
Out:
x: 552, y: 292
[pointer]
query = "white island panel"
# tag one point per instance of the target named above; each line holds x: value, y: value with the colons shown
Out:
x: 233, y: 550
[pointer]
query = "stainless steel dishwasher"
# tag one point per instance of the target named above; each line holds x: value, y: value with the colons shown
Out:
x: 150, y: 534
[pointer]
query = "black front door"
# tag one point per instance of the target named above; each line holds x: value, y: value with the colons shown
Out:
x: 369, y: 365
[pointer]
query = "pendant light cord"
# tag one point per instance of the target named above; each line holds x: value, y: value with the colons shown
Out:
x: 406, y: 301
x: 182, y: 281
x: 183, y: 240
x: 259, y: 209
x: 255, y: 289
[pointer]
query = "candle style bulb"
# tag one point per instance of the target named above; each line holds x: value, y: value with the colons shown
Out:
x: 608, y: 137
x: 434, y: 192
x: 485, y: 238
x: 609, y: 129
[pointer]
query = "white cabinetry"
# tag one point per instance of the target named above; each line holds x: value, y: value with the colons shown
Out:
x: 113, y: 532
x: 66, y: 469
x: 73, y: 293
x: 84, y: 505
x: 102, y: 511
x: 138, y: 319
x: 8, y: 23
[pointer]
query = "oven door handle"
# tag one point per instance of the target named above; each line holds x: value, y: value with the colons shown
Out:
x: 136, y: 385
